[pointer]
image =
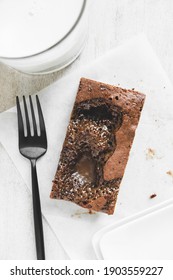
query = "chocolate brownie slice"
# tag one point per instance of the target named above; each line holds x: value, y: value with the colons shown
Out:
x: 97, y: 145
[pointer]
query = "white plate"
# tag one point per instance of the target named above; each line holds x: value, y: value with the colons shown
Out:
x: 147, y: 235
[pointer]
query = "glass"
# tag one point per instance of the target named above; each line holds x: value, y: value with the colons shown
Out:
x: 59, y: 54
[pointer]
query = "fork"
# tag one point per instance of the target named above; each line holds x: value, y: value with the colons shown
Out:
x: 33, y: 147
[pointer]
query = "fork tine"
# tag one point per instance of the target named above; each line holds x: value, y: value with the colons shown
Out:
x: 20, y: 119
x: 33, y: 116
x: 27, y: 117
x: 41, y: 119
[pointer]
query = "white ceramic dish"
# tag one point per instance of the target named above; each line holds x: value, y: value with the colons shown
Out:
x: 147, y: 235
x: 41, y: 36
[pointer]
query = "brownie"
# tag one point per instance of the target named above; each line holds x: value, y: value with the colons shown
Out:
x: 97, y: 145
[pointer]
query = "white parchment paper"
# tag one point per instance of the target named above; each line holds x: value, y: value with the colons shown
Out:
x: 150, y: 166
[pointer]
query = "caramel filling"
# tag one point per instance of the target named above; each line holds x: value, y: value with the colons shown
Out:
x: 85, y: 167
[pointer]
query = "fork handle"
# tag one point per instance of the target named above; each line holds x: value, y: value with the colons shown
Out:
x: 37, y: 213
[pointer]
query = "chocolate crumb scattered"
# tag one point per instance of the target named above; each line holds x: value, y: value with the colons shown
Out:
x: 150, y: 154
x: 153, y: 196
x: 79, y: 213
x: 170, y: 173
x: 91, y: 212
x: 133, y: 88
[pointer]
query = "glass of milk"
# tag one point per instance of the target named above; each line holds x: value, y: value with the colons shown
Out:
x: 41, y: 36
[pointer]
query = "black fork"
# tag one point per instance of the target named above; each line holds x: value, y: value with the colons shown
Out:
x: 33, y: 147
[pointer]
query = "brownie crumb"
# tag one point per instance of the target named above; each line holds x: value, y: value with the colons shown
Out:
x: 150, y: 154
x: 91, y: 212
x: 170, y: 173
x: 153, y: 196
x: 79, y: 213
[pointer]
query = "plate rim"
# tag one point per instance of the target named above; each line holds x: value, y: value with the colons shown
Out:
x: 97, y: 237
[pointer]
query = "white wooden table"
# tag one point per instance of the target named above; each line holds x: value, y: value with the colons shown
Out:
x: 111, y: 22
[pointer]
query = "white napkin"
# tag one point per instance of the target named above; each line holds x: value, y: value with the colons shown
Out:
x: 133, y: 65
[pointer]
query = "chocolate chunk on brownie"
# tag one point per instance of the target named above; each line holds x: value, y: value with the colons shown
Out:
x: 97, y: 145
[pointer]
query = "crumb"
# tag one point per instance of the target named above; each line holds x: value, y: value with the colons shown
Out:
x: 164, y: 87
x: 91, y: 212
x: 170, y: 172
x: 150, y: 153
x: 133, y: 88
x: 153, y: 196
x: 77, y: 216
x: 79, y: 213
